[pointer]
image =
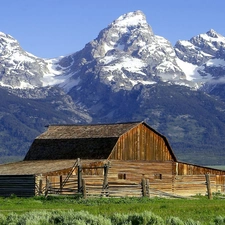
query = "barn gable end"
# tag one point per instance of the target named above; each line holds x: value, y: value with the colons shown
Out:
x: 142, y: 143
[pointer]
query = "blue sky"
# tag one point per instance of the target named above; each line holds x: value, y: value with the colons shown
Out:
x: 51, y: 28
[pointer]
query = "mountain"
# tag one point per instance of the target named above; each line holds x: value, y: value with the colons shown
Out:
x: 126, y: 74
x: 24, y: 118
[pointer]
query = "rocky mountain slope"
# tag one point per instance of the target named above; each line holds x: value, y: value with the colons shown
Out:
x: 126, y: 74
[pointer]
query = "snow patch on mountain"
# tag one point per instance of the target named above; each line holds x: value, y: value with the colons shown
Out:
x: 216, y: 62
x: 193, y: 73
x: 189, y: 69
x: 127, y: 63
x: 59, y: 76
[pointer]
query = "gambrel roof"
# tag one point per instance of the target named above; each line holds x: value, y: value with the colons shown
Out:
x: 81, y: 141
x: 77, y: 141
x: 86, y: 131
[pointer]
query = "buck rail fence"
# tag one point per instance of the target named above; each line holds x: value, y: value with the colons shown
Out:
x: 96, y: 183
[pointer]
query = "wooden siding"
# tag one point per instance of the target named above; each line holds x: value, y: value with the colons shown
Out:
x: 19, y: 185
x: 129, y: 174
x: 159, y: 174
x: 142, y: 143
x: 190, y: 169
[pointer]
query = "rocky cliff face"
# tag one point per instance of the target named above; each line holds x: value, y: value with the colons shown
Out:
x: 127, y: 73
x: 205, y: 55
x: 125, y: 54
x: 19, y: 69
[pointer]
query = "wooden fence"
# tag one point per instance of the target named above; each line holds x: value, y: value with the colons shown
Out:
x: 94, y: 186
x: 95, y: 182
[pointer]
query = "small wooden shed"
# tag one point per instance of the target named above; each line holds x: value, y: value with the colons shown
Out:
x: 117, y: 156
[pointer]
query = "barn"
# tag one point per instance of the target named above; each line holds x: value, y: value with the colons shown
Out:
x: 122, y: 159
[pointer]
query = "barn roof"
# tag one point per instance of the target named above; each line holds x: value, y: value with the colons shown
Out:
x: 40, y: 166
x: 86, y: 131
x: 35, y: 167
x: 77, y: 141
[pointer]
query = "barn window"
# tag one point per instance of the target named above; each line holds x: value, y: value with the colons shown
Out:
x: 158, y: 176
x: 122, y: 176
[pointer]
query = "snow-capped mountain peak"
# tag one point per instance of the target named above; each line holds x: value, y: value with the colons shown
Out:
x: 202, y: 57
x: 8, y: 45
x: 124, y: 54
x: 210, y: 42
x: 128, y: 53
x: 212, y: 33
x: 131, y: 20
x: 22, y: 70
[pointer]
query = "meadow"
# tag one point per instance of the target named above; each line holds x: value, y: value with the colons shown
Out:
x: 119, y: 211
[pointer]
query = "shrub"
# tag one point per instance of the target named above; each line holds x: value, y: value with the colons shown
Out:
x: 120, y: 219
x: 174, y: 221
x: 54, y: 217
x: 34, y: 218
x: 2, y: 219
x: 145, y: 218
x: 77, y: 218
x: 192, y: 222
x: 12, y: 219
x: 219, y: 220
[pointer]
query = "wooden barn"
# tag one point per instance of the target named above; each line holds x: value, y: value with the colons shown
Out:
x: 125, y: 159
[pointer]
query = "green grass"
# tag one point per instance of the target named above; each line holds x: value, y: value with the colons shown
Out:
x: 198, y: 209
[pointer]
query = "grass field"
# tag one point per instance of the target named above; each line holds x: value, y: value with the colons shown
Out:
x: 198, y: 209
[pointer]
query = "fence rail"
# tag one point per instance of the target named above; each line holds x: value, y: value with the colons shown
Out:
x: 101, y: 185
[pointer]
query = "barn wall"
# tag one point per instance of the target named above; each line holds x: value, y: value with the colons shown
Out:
x: 141, y: 143
x: 159, y: 174
x: 19, y: 185
x: 189, y: 169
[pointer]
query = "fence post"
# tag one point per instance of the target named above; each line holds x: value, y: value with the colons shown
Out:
x: 47, y: 187
x: 79, y: 176
x: 40, y: 187
x: 208, y: 185
x: 105, y: 181
x: 143, y: 184
x: 147, y: 188
x: 84, y: 191
x: 60, y: 183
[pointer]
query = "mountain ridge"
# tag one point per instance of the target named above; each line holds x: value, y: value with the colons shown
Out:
x: 127, y: 39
